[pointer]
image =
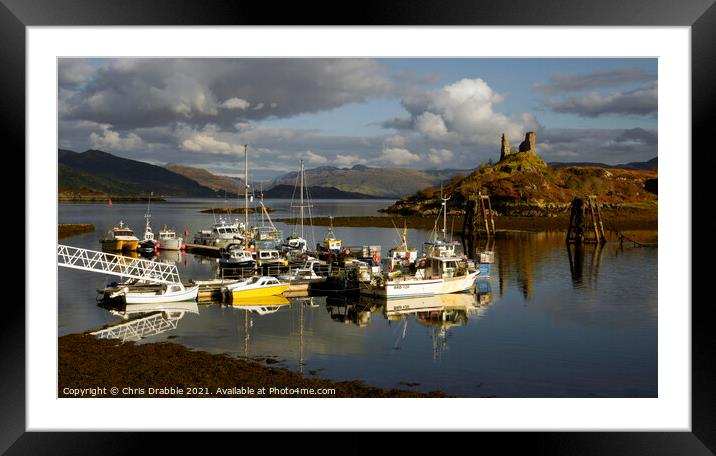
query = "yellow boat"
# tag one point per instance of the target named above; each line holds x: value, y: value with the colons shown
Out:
x: 256, y: 287
x: 121, y: 237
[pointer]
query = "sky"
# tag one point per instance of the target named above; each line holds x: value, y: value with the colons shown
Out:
x: 433, y: 113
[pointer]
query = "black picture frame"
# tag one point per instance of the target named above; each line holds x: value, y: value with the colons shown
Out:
x: 700, y: 15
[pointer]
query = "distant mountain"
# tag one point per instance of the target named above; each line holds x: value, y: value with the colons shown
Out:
x: 376, y: 182
x: 101, y: 171
x: 230, y: 185
x: 649, y: 165
x: 287, y: 191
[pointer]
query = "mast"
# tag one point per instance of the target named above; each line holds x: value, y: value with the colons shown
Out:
x: 444, y: 204
x: 246, y: 186
x: 302, y: 200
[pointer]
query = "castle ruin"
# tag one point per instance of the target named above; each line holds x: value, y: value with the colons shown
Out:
x: 529, y: 145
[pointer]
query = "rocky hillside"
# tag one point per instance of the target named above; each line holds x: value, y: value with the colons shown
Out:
x: 521, y: 183
x: 376, y: 182
x: 231, y: 186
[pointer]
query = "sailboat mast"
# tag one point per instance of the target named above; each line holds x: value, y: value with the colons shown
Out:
x: 246, y: 185
x: 302, y: 200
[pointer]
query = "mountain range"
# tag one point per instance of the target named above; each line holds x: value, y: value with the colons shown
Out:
x: 288, y: 191
x: 105, y: 173
x: 376, y: 182
x: 650, y: 165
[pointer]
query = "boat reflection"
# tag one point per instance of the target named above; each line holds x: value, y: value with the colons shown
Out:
x: 355, y: 310
x: 438, y: 313
x: 172, y: 257
x: 140, y: 321
x: 261, y: 306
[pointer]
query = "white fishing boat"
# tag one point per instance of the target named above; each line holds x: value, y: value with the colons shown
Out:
x: 440, y: 271
x: 168, y: 240
x: 433, y: 276
x: 255, y: 287
x: 223, y: 234
x: 121, y: 237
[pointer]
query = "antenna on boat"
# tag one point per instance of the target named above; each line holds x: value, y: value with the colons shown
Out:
x: 444, y: 208
x: 147, y: 216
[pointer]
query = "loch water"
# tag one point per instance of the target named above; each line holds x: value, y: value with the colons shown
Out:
x: 548, y: 322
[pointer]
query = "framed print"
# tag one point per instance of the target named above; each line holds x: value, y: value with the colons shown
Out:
x: 417, y: 213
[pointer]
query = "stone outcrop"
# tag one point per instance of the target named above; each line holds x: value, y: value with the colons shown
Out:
x: 530, y: 143
x: 505, y: 151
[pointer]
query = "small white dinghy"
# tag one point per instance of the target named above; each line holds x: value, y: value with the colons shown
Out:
x: 154, y: 293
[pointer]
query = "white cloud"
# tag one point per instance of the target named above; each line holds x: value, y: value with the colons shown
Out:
x: 398, y: 156
x: 440, y: 157
x: 314, y: 158
x: 431, y: 125
x: 235, y: 103
x: 205, y: 142
x: 348, y: 160
x: 464, y: 112
x: 109, y: 140
x: 395, y: 141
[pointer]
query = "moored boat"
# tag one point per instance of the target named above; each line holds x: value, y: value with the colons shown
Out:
x: 148, y: 243
x: 255, y: 287
x: 121, y: 237
x: 168, y: 240
x: 139, y: 292
x: 237, y: 258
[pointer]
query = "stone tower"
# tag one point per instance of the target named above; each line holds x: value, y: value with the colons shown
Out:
x: 505, y: 151
x: 530, y: 143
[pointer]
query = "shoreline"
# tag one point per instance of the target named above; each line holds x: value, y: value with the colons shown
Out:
x: 89, y: 364
x: 73, y: 229
x: 637, y: 220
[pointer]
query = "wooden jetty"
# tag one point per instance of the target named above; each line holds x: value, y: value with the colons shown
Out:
x: 206, y: 250
x: 586, y: 222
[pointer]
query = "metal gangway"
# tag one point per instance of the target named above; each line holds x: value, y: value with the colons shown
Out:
x: 108, y: 263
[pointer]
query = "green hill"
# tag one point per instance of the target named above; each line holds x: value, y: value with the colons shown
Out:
x: 103, y: 172
x: 523, y: 184
x: 223, y: 184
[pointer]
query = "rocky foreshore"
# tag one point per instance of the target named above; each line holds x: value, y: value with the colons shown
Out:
x: 89, y: 367
x: 73, y: 229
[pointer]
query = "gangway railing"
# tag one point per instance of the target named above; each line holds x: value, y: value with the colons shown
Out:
x: 108, y: 263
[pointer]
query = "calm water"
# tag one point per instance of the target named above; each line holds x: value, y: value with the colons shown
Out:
x: 547, y: 323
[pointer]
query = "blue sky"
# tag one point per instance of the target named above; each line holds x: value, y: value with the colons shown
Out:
x: 419, y: 113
